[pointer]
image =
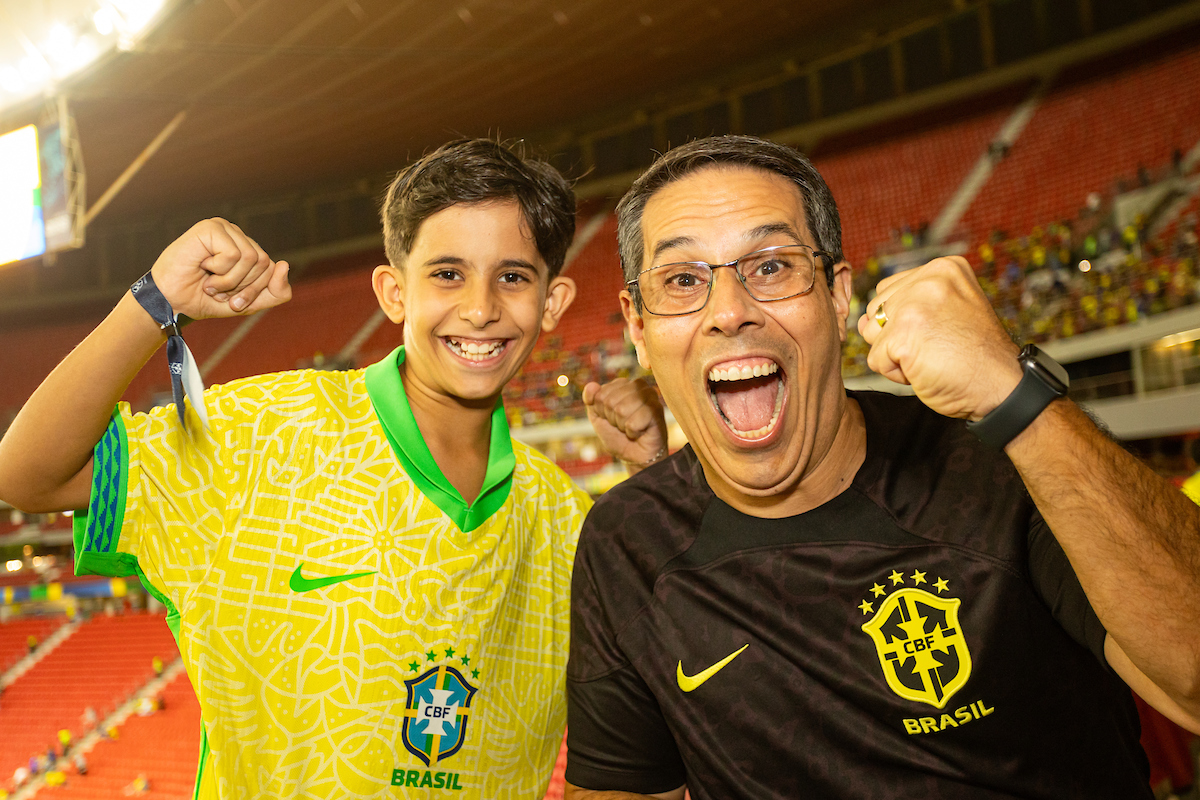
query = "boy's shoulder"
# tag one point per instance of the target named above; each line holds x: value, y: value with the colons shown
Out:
x: 542, y: 476
x: 288, y: 393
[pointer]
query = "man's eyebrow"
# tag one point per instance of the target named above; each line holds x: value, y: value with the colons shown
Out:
x: 771, y: 228
x: 667, y: 244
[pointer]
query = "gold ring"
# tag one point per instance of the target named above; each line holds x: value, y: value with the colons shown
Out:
x: 881, y: 316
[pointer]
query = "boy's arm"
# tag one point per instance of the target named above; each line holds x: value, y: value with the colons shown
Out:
x: 213, y: 270
x: 628, y: 417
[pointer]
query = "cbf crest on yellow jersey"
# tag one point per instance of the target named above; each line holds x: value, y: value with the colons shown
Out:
x: 351, y: 626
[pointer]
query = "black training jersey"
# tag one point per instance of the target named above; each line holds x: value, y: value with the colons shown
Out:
x: 921, y: 635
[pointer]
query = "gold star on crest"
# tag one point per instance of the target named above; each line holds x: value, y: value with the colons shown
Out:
x: 942, y: 585
x: 866, y: 607
x: 918, y: 577
x: 878, y: 590
x: 896, y: 577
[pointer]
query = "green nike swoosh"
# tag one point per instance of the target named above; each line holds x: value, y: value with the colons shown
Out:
x: 299, y: 583
x: 691, y: 682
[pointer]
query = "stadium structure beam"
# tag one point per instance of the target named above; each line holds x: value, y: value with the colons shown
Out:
x: 135, y: 166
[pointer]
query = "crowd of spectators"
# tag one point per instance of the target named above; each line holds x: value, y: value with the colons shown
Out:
x: 1069, y: 277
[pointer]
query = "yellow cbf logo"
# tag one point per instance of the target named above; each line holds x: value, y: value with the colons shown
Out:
x: 920, y: 646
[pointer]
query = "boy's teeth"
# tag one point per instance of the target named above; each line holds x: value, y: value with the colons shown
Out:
x: 481, y: 350
x: 743, y: 373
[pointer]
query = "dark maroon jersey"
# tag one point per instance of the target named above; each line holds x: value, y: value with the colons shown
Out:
x: 919, y: 636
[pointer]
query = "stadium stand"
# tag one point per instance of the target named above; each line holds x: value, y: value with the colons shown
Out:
x: 1099, y: 124
x: 100, y: 665
x: 902, y: 173
x: 172, y: 734
x: 14, y: 638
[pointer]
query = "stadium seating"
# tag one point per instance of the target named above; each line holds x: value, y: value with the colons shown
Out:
x: 100, y: 665
x: 14, y: 638
x: 1099, y: 123
x: 163, y: 746
x: 903, y: 172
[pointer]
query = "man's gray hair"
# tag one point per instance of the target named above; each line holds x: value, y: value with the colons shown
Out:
x: 737, y: 151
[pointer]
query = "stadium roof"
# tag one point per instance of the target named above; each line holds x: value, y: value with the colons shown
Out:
x: 285, y: 93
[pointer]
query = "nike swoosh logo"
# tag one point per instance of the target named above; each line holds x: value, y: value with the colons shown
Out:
x: 299, y: 583
x: 691, y: 682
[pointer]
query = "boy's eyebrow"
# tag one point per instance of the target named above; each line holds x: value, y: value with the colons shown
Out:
x: 508, y: 263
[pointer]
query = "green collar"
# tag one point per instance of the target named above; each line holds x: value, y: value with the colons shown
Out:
x: 388, y: 398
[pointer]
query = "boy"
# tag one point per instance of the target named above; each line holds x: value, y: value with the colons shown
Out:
x: 368, y: 579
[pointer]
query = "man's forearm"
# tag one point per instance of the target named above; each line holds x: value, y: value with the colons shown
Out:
x: 45, y: 453
x: 1132, y: 539
x: 575, y: 793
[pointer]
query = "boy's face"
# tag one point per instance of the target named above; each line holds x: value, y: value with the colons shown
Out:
x: 473, y: 296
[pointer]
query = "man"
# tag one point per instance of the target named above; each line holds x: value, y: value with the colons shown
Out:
x: 367, y: 576
x: 832, y: 595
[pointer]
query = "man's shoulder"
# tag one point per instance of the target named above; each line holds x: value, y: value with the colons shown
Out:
x: 937, y: 479
x: 651, y: 517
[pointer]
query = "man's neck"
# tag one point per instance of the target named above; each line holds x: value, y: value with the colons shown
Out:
x: 829, y: 475
x: 457, y: 434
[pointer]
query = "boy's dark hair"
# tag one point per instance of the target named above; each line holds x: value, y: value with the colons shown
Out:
x: 738, y: 151
x: 475, y: 171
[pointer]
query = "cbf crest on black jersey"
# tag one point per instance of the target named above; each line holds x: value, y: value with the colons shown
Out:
x: 919, y: 636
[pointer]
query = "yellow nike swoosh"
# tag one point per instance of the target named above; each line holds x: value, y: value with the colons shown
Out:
x: 690, y: 682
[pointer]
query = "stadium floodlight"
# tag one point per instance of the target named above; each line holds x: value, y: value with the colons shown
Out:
x: 37, y: 55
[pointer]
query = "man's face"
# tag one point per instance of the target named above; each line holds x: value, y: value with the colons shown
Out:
x: 757, y: 436
x: 473, y: 296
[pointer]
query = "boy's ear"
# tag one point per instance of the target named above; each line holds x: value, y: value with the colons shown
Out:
x: 559, y: 296
x: 388, y: 283
x: 633, y: 321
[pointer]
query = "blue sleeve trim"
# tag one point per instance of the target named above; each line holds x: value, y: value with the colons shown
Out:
x: 98, y: 529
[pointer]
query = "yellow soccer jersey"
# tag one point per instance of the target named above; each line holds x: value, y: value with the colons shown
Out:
x: 351, y: 626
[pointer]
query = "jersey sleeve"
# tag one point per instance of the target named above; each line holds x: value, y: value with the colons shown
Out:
x: 1057, y: 585
x: 158, y: 501
x: 617, y: 737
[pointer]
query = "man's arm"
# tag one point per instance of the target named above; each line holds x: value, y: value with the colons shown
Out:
x: 213, y: 270
x: 1132, y: 539
x: 575, y: 793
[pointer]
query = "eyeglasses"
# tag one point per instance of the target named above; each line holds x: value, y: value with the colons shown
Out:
x: 773, y: 273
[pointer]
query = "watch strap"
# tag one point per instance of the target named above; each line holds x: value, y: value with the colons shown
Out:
x: 1022, y: 406
x: 185, y: 376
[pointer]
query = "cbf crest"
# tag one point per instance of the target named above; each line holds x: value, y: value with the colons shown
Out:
x: 436, y: 715
x: 918, y: 639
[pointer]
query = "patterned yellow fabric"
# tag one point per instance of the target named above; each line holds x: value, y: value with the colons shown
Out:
x: 301, y: 671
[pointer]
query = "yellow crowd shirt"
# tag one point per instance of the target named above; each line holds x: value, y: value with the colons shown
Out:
x: 352, y: 627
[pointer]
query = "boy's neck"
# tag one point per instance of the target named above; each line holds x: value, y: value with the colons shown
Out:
x: 457, y: 433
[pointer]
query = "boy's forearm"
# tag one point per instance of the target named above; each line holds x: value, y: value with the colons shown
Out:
x: 45, y: 455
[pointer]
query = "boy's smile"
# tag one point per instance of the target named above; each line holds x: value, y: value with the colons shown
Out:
x: 473, y: 295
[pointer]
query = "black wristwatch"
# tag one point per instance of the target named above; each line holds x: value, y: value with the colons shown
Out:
x: 1044, y: 381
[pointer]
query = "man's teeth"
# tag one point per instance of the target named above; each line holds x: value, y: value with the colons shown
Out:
x: 742, y: 373
x: 475, y: 351
x: 758, y: 433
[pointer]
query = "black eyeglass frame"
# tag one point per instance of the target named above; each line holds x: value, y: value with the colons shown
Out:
x: 633, y: 284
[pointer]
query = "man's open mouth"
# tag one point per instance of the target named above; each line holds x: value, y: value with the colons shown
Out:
x: 748, y: 394
x: 475, y: 349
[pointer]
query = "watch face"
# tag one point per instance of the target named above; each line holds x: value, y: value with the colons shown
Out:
x: 1047, y: 368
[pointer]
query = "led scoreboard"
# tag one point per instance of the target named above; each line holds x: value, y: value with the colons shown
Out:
x: 22, y: 224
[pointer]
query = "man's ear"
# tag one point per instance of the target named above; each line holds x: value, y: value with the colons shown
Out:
x: 839, y: 295
x: 559, y: 296
x: 388, y: 283
x: 635, y: 325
